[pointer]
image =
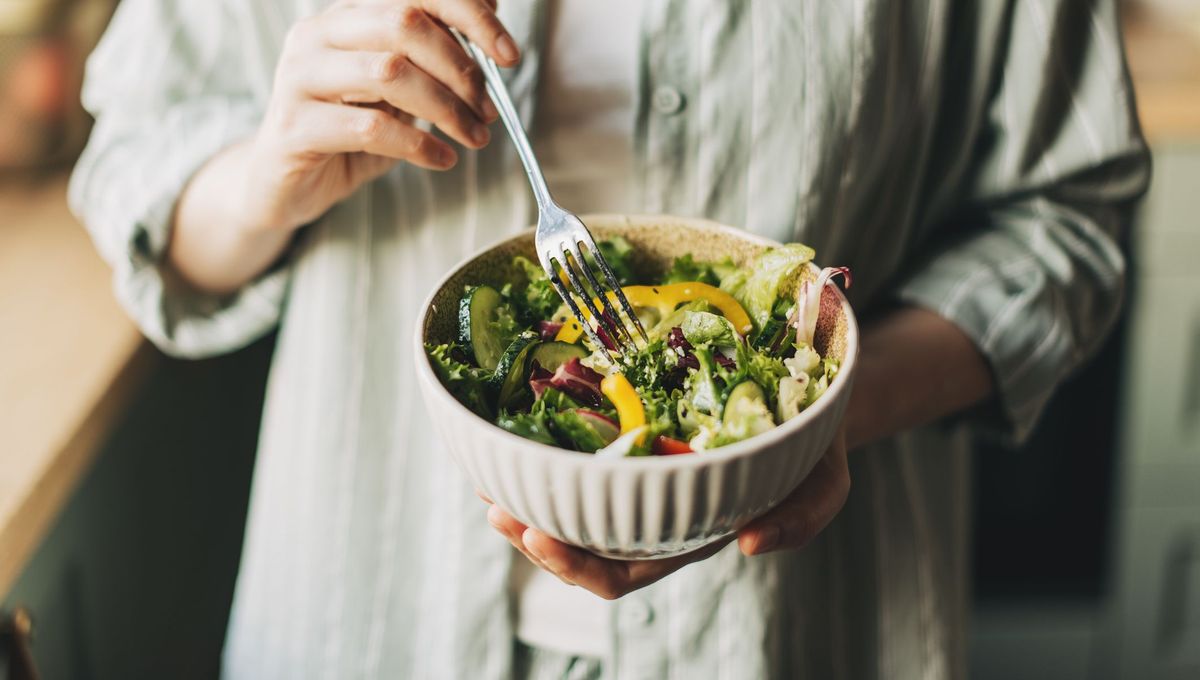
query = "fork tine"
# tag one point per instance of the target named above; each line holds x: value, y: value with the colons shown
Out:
x: 587, y: 240
x: 570, y: 300
x: 615, y: 325
x: 586, y: 295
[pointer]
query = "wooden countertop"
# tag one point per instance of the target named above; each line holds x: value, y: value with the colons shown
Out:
x: 69, y: 359
x: 1164, y: 61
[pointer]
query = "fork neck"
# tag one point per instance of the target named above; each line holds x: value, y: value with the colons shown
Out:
x: 512, y: 122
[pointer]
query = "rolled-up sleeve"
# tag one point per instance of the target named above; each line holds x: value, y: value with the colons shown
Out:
x: 1029, y: 265
x: 168, y: 88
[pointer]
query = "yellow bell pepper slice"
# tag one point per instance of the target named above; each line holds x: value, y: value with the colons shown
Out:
x: 665, y: 299
x: 630, y: 411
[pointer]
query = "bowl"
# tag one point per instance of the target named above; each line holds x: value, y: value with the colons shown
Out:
x: 647, y: 507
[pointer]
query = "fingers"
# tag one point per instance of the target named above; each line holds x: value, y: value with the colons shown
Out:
x: 411, y: 33
x: 373, y: 76
x: 513, y: 530
x: 477, y: 20
x: 392, y: 23
x: 806, y: 512
x: 323, y: 128
x: 609, y: 579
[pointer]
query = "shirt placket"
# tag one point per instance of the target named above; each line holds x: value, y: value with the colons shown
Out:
x: 666, y: 86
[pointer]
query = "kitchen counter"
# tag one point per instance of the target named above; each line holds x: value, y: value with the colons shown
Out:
x: 1164, y: 60
x: 69, y: 360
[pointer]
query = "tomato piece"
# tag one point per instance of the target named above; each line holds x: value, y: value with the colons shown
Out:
x: 666, y: 446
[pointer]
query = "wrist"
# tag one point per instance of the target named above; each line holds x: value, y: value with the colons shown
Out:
x: 256, y: 209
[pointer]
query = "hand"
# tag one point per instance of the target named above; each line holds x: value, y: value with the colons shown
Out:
x: 349, y: 85
x: 792, y: 524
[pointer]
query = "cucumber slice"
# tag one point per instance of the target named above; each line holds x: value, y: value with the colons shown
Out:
x: 512, y: 370
x: 746, y: 413
x: 551, y: 355
x: 477, y: 332
x: 746, y: 397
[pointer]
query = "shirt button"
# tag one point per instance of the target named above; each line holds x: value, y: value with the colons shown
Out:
x: 667, y: 100
x: 636, y: 613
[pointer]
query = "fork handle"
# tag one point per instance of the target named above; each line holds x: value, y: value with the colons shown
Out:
x: 508, y: 113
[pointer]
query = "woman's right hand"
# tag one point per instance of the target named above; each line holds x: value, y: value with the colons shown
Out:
x: 349, y: 85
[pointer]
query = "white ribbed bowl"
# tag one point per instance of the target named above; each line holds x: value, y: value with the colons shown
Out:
x: 635, y: 508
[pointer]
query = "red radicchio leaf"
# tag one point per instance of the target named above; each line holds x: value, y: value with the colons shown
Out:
x: 539, y: 379
x: 687, y: 358
x: 676, y: 340
x: 549, y: 329
x: 572, y: 379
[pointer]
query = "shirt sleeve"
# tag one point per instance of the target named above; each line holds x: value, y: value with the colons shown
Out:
x: 167, y: 86
x: 1030, y: 265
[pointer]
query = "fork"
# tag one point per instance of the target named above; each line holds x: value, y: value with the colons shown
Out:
x: 560, y: 234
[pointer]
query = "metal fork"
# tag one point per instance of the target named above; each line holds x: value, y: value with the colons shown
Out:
x: 560, y: 234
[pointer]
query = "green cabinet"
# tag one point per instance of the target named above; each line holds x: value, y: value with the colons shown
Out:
x: 136, y: 577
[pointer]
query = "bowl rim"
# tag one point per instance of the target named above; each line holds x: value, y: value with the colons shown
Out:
x: 723, y: 454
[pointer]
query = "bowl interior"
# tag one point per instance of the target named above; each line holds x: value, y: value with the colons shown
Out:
x: 656, y: 242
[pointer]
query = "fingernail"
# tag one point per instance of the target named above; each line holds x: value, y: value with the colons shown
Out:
x: 446, y: 156
x: 768, y: 539
x: 532, y: 548
x: 489, y: 109
x: 493, y: 516
x: 480, y: 134
x: 506, y: 48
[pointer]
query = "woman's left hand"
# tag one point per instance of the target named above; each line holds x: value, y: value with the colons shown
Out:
x: 792, y: 524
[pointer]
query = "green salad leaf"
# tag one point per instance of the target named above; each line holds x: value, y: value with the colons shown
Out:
x: 685, y: 269
x: 661, y: 414
x: 533, y: 425
x: 577, y: 431
x: 468, y: 384
x: 535, y: 297
x: 701, y: 385
x: 763, y: 369
x: 645, y: 369
x: 618, y: 254
x: 772, y: 275
x: 706, y: 328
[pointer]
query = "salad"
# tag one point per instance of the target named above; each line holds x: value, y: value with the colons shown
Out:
x: 730, y: 355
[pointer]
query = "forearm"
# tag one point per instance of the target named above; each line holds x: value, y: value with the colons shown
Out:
x: 215, y: 246
x: 914, y: 368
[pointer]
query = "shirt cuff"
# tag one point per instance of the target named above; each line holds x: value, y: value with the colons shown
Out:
x: 126, y: 187
x: 1018, y: 328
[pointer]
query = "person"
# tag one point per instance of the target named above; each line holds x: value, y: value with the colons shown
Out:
x: 265, y: 163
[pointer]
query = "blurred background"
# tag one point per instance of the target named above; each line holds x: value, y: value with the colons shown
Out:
x: 124, y: 474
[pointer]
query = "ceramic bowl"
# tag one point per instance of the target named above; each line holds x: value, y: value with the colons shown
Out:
x: 635, y: 508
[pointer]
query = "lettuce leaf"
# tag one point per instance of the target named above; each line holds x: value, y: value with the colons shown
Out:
x: 774, y: 273
x: 685, y: 269
x: 535, y: 298
x: 577, y: 431
x: 533, y: 425
x: 704, y: 328
x: 617, y: 253
x: 468, y: 384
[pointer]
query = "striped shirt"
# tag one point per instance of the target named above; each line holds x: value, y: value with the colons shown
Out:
x: 977, y: 159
